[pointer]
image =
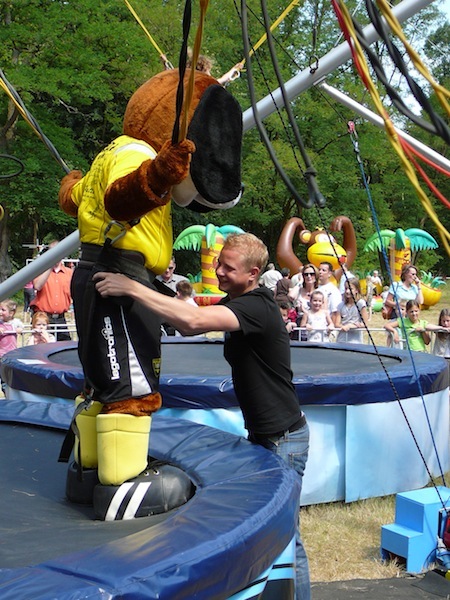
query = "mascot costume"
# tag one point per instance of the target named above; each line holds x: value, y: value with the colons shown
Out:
x: 123, y: 206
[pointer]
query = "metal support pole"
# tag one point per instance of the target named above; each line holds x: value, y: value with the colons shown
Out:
x: 38, y: 266
x: 378, y: 121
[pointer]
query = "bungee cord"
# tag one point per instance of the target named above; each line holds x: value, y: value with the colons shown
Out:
x: 167, y: 63
x: 314, y: 193
x: 350, y: 33
x: 187, y: 14
x: 195, y: 55
x: 15, y: 160
x: 354, y: 139
x: 441, y: 92
x: 438, y: 126
x: 20, y: 106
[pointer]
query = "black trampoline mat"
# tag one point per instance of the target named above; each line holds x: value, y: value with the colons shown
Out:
x: 206, y: 360
x: 37, y: 522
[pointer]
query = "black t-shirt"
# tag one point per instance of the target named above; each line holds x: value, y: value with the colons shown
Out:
x: 260, y: 358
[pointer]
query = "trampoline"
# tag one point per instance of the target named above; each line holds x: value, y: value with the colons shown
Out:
x: 232, y: 540
x: 360, y: 439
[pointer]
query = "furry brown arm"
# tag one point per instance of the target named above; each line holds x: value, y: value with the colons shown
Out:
x: 148, y: 187
x: 65, y: 192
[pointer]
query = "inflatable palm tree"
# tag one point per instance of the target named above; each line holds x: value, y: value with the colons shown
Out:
x: 400, y: 243
x: 209, y: 239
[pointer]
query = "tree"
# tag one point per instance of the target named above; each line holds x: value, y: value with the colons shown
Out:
x: 75, y: 65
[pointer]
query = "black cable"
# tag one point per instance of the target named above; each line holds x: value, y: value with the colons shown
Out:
x: 182, y: 70
x: 438, y: 125
x: 34, y: 123
x: 14, y: 159
x: 314, y: 194
x: 258, y: 121
x: 379, y: 24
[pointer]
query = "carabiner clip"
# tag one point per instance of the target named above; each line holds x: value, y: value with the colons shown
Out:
x: 313, y: 64
x: 120, y: 235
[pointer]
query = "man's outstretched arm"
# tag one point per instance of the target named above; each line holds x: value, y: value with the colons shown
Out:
x: 189, y: 320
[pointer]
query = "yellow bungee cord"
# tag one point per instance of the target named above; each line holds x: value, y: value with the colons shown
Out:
x: 167, y: 64
x: 195, y: 55
x: 441, y: 92
x: 392, y: 134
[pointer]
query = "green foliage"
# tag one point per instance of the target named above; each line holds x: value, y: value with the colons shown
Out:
x: 75, y: 65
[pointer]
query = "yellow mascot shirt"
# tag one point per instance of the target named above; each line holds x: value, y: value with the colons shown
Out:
x: 152, y: 236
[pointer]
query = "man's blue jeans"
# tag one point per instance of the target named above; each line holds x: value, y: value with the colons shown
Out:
x: 293, y: 449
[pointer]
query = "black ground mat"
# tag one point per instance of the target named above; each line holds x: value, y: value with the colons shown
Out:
x: 430, y: 586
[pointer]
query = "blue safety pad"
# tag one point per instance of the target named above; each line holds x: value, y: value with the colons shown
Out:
x: 194, y: 373
x: 239, y: 521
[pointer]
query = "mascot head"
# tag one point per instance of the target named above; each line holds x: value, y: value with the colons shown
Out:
x: 215, y: 126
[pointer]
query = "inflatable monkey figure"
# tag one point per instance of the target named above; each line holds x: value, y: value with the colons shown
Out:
x: 123, y: 206
x: 320, y: 249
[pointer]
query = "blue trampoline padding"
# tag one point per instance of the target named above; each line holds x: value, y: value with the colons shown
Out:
x: 239, y: 521
x: 194, y: 373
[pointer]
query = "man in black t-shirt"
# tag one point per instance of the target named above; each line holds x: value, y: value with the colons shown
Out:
x: 256, y: 346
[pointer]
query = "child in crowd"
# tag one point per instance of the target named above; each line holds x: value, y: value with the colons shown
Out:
x: 351, y: 313
x: 317, y: 320
x: 39, y: 333
x: 391, y: 339
x: 286, y: 315
x: 441, y: 346
x: 185, y: 292
x: 416, y: 329
x: 10, y: 326
x: 370, y: 288
x: 384, y: 293
x: 8, y: 315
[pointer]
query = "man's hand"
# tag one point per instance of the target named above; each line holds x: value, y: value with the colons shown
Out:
x: 112, y: 284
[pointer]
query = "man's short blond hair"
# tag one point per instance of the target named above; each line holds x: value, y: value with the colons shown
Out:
x: 253, y: 250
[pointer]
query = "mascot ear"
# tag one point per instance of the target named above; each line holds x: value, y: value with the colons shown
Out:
x: 216, y: 130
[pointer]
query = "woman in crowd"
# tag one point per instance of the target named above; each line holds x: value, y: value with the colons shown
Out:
x: 408, y: 288
x: 352, y: 313
x: 300, y: 295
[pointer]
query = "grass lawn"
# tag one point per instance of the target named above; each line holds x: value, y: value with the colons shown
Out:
x: 343, y: 540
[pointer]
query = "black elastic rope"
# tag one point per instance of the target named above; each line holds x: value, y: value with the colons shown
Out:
x: 16, y: 160
x: 258, y: 122
x: 187, y: 15
x: 34, y: 123
x: 314, y: 194
x: 437, y: 125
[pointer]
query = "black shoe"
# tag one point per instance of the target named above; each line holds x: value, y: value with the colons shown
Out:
x: 156, y: 490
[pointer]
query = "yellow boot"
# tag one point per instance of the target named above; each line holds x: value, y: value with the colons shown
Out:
x: 86, y: 423
x: 122, y: 443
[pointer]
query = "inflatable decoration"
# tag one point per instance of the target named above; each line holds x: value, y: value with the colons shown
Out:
x: 209, y: 239
x: 322, y: 247
x: 400, y: 243
x: 123, y: 206
x: 377, y: 303
x: 431, y: 289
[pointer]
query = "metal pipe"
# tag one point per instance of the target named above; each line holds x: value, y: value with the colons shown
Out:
x: 38, y: 266
x: 378, y: 121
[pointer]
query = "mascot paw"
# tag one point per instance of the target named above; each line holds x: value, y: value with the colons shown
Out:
x: 170, y: 166
x: 137, y: 407
x: 65, y: 192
